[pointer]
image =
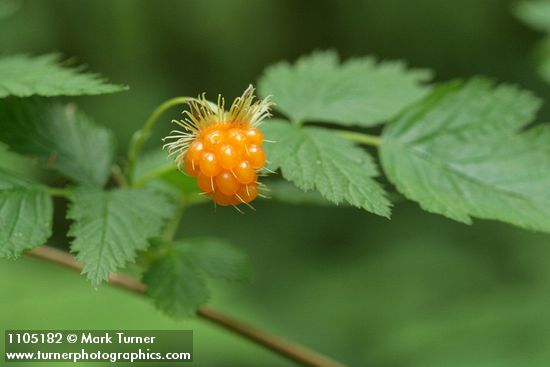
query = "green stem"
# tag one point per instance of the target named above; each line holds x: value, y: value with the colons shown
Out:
x: 160, y: 171
x: 292, y: 351
x: 118, y: 177
x: 58, y: 192
x: 140, y: 137
x: 362, y: 138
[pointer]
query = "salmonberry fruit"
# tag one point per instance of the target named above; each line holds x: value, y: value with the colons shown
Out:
x: 256, y: 155
x: 223, y: 150
x: 205, y: 183
x: 247, y: 193
x: 209, y: 165
x: 227, y: 183
x: 228, y: 156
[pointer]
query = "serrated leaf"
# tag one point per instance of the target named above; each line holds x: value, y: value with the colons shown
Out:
x: 215, y: 257
x: 46, y: 75
x: 110, y: 226
x: 458, y: 153
x: 176, y: 280
x: 62, y: 137
x: 357, y: 92
x: 535, y: 13
x: 25, y: 215
x: 315, y: 158
x: 176, y: 285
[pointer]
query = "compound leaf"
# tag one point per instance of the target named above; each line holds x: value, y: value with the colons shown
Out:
x: 176, y: 280
x: 315, y: 158
x: 25, y: 215
x: 61, y: 137
x: 24, y: 76
x: 110, y: 226
x: 357, y: 92
x: 460, y: 153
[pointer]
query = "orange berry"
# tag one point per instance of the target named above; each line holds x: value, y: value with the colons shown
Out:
x: 205, y: 183
x: 213, y: 139
x: 227, y: 183
x: 209, y: 164
x: 195, y: 151
x: 237, y: 138
x: 191, y: 167
x: 244, y: 172
x: 224, y: 200
x: 227, y: 156
x: 248, y: 192
x: 224, y: 160
x: 223, y: 148
x: 254, y: 136
x: 256, y: 156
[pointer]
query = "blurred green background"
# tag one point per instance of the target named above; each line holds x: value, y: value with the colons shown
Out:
x: 418, y: 290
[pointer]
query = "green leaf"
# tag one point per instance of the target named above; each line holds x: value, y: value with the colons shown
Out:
x: 154, y: 169
x: 110, y: 226
x: 286, y: 192
x: 46, y: 75
x: 18, y: 164
x: 176, y: 280
x: 357, y: 92
x: 535, y: 13
x: 176, y: 285
x: 542, y: 55
x: 62, y: 137
x: 315, y: 158
x: 215, y: 257
x: 153, y: 164
x: 25, y: 215
x: 458, y: 153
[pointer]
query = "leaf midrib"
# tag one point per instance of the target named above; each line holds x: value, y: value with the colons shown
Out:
x: 105, y: 216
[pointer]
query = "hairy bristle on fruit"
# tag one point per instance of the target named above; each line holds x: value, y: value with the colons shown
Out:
x: 222, y: 149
